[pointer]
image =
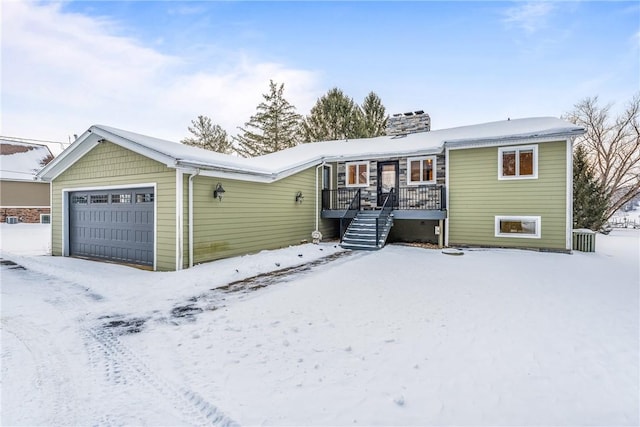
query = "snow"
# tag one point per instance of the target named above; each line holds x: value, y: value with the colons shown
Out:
x: 278, y: 164
x: 400, y: 336
x: 22, y: 166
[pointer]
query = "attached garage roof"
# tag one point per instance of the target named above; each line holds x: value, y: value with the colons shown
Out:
x: 278, y: 165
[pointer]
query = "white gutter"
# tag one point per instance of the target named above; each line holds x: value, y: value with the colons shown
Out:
x: 193, y: 175
x: 317, y: 191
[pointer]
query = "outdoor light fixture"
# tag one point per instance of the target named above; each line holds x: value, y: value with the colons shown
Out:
x: 299, y: 197
x: 218, y: 192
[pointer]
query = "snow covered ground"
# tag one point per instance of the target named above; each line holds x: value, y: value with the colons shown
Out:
x: 402, y: 336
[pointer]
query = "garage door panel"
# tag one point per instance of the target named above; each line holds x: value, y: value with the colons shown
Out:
x: 115, y: 225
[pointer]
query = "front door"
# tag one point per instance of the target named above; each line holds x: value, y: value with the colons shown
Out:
x: 388, y: 179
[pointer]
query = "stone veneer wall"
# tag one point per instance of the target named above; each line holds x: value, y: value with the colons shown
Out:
x: 30, y: 215
x: 370, y: 193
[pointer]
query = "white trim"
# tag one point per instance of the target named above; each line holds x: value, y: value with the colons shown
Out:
x: 447, y: 190
x: 191, y: 226
x: 46, y: 214
x: 179, y: 219
x: 517, y: 149
x: 434, y: 169
x: 500, y: 142
x: 346, y: 175
x: 536, y: 219
x: 569, y: 190
x: 65, y: 212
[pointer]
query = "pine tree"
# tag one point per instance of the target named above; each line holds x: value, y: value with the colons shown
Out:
x: 374, y: 117
x: 589, y: 200
x: 273, y: 128
x: 208, y: 136
x: 334, y: 116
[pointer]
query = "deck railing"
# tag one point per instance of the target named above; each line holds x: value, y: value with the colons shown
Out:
x: 352, y: 210
x: 406, y: 198
x: 383, y: 216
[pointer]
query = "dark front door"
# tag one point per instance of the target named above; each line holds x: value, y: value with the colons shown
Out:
x: 388, y: 179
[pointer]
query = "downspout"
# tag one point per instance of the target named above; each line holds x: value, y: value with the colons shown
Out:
x: 193, y: 175
x: 317, y: 191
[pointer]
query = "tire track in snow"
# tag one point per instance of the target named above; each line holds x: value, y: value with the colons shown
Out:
x: 120, y: 365
x: 51, y: 386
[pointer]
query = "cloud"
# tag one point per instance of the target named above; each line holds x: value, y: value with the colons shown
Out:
x: 63, y: 72
x: 530, y: 16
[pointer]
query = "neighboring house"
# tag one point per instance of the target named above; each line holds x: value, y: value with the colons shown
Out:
x: 130, y: 198
x: 22, y: 198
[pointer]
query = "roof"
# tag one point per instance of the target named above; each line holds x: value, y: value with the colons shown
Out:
x: 20, y: 160
x: 283, y: 163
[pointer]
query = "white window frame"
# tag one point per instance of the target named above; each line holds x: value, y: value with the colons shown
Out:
x: 517, y: 149
x: 44, y: 215
x: 356, y: 164
x: 421, y: 159
x: 536, y: 219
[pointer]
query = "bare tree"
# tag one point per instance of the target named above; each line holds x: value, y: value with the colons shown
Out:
x: 613, y: 147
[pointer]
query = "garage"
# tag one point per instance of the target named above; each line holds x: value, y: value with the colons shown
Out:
x: 114, y: 225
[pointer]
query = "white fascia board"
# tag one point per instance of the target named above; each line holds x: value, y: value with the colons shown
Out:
x: 145, y: 151
x: 68, y: 157
x: 514, y: 139
x: 86, y: 142
x: 249, y: 175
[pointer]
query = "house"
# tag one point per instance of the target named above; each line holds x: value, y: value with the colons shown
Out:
x: 22, y: 198
x: 130, y: 198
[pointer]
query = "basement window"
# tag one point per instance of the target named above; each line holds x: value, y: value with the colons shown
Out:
x: 518, y: 226
x: 45, y: 218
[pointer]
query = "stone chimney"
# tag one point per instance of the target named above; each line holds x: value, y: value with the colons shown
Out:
x: 411, y: 122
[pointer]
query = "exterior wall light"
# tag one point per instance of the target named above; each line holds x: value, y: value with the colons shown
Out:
x: 218, y: 192
x: 299, y: 197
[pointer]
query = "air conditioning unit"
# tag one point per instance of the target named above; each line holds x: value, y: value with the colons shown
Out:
x: 12, y: 220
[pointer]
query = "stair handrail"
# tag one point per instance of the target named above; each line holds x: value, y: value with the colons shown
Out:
x: 351, y: 212
x: 387, y: 208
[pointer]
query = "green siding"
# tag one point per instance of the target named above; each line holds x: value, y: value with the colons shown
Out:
x: 108, y: 164
x: 251, y: 216
x: 476, y: 196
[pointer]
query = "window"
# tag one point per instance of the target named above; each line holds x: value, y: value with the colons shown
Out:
x: 121, y: 198
x: 45, y: 218
x: 358, y: 174
x: 518, y: 162
x: 518, y: 226
x: 421, y: 170
x: 79, y: 200
x: 99, y: 198
x: 144, y: 197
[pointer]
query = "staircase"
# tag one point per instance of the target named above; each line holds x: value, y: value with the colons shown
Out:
x: 361, y: 233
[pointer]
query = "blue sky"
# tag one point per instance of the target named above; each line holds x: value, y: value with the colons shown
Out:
x: 151, y: 67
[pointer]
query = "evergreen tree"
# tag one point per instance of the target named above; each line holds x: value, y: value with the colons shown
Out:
x: 589, y: 200
x: 273, y: 128
x: 208, y: 136
x: 374, y: 117
x: 334, y: 116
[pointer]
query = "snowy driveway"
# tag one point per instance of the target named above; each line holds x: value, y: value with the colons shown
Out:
x: 403, y: 336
